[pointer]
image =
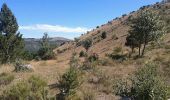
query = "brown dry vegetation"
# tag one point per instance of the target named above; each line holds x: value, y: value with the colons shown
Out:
x: 98, y: 82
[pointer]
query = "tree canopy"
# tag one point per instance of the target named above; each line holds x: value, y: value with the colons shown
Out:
x: 146, y: 27
x: 11, y: 42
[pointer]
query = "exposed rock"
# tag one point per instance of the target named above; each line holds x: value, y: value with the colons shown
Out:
x: 23, y: 67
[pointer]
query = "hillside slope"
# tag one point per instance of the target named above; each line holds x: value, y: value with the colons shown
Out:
x: 116, y: 30
x: 98, y: 81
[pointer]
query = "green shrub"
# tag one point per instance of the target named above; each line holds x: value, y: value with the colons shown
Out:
x: 117, y: 57
x: 37, y: 58
x: 146, y: 85
x: 122, y: 88
x: 82, y: 54
x: 46, y: 53
x: 68, y: 83
x: 6, y: 78
x: 87, y: 44
x: 76, y: 40
x: 93, y: 57
x: 27, y: 55
x: 124, y: 15
x: 117, y: 50
x: 38, y: 88
x: 104, y: 35
x: 74, y: 61
x: 20, y: 91
x: 32, y: 89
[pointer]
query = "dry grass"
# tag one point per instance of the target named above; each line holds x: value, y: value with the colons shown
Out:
x: 110, y: 70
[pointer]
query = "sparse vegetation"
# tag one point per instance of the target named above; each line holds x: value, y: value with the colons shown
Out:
x: 93, y: 57
x: 114, y: 37
x: 33, y: 89
x: 88, y: 95
x: 6, y: 78
x: 105, y: 70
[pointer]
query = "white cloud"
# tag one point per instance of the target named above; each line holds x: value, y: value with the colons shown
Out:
x: 54, y: 28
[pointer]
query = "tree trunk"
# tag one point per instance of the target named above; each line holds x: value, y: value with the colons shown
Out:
x: 132, y: 49
x: 143, y: 51
x: 139, y: 49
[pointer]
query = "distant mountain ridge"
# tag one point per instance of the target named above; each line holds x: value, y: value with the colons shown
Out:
x: 33, y: 44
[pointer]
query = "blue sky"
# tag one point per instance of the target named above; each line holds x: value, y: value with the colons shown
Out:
x: 68, y: 18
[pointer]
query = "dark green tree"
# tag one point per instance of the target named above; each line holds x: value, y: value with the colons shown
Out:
x: 104, y: 35
x: 11, y: 42
x: 87, y: 44
x: 131, y: 42
x: 45, y: 52
x: 146, y: 27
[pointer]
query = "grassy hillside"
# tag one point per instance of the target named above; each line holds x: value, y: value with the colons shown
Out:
x: 98, y: 80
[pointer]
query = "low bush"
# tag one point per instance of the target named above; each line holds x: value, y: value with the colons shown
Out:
x: 82, y: 54
x: 105, y: 62
x: 104, y: 35
x: 76, y: 40
x: 46, y: 53
x: 74, y: 61
x: 20, y: 91
x: 68, y: 83
x: 87, y: 65
x: 6, y: 78
x: 27, y: 55
x: 122, y: 88
x: 145, y: 85
x: 32, y: 89
x: 87, y: 44
x: 93, y: 57
x: 117, y: 50
x: 117, y: 57
x: 38, y: 88
x: 148, y: 85
x: 114, y: 37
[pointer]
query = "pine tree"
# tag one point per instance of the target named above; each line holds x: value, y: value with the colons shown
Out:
x: 11, y: 42
x: 45, y: 52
